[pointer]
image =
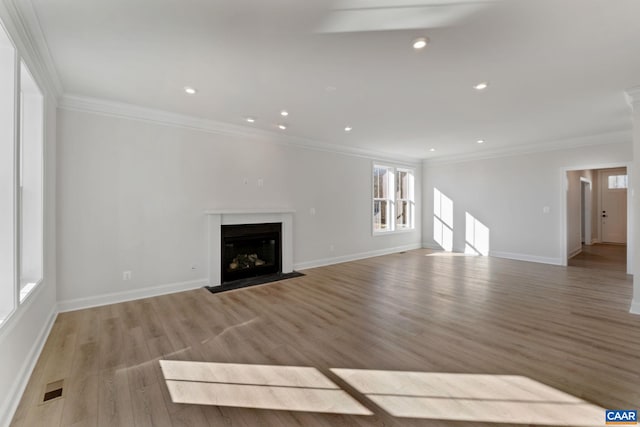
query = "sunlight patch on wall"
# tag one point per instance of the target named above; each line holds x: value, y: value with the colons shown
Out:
x: 476, y: 237
x: 287, y: 388
x: 442, y: 220
x: 471, y: 397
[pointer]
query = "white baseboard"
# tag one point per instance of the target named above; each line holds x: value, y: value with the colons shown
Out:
x: 526, y: 257
x: 112, y: 298
x: 574, y: 252
x: 353, y: 257
x: 635, y: 306
x: 8, y: 408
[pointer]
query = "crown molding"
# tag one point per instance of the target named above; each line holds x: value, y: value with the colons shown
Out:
x: 633, y: 97
x: 613, y: 137
x: 24, y: 29
x: 165, y: 118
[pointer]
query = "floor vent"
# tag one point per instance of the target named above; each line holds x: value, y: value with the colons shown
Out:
x: 53, y: 390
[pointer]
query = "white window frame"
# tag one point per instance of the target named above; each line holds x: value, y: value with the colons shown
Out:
x: 23, y: 294
x: 21, y: 298
x: 13, y: 143
x: 391, y: 199
x: 411, y: 199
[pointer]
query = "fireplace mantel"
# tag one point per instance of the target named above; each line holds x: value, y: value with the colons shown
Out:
x: 247, y: 211
x: 219, y: 217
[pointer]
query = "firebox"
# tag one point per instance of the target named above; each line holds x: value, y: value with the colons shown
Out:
x: 250, y: 250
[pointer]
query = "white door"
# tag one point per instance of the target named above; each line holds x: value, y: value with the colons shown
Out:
x: 613, y: 207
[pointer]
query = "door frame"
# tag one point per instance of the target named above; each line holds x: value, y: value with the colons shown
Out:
x: 586, y: 209
x: 600, y: 181
x: 564, y: 201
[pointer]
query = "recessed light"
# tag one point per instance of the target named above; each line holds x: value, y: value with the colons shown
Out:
x: 481, y: 86
x: 284, y: 113
x: 480, y: 141
x: 251, y: 119
x: 420, y: 43
x: 330, y: 88
x: 432, y: 149
x: 283, y: 127
x: 348, y: 129
x: 190, y: 90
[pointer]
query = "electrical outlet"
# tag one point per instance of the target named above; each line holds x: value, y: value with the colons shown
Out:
x: 312, y: 211
x: 260, y: 182
x: 331, y: 248
x: 126, y: 275
x: 245, y: 181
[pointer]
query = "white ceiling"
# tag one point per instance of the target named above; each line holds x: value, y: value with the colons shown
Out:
x: 558, y: 68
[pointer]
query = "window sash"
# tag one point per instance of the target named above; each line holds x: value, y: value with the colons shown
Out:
x: 393, y: 199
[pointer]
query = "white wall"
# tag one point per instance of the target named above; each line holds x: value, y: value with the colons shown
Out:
x: 132, y: 196
x: 508, y: 195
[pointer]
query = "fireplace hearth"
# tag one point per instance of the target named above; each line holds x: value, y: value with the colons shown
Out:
x: 250, y: 250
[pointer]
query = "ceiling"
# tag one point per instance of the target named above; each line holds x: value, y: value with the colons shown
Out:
x: 557, y: 69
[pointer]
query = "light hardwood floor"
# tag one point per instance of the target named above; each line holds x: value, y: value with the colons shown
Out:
x: 483, y: 338
x: 601, y: 256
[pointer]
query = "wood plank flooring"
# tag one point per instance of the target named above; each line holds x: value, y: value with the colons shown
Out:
x: 468, y: 328
x: 601, y: 256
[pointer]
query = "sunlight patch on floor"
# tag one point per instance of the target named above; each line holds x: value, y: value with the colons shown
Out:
x: 289, y: 388
x: 471, y: 397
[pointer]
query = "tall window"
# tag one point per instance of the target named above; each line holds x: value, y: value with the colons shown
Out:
x: 21, y: 180
x: 31, y: 215
x: 393, y: 199
x: 7, y: 176
x: 382, y: 201
x: 405, y: 205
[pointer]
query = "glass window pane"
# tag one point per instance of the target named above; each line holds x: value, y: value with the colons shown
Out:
x: 617, y: 181
x: 376, y: 184
x: 403, y: 214
x: 7, y: 176
x: 384, y: 183
x: 401, y: 187
x: 380, y: 182
x: 380, y: 215
x: 31, y: 151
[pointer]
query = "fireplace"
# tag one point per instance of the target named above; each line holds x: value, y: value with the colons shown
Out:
x: 250, y: 250
x: 217, y: 219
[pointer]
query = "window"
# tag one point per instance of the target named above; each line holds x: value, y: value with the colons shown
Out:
x: 393, y: 199
x: 31, y: 218
x: 382, y: 202
x: 7, y: 176
x: 21, y: 180
x: 405, y: 205
x: 617, y: 182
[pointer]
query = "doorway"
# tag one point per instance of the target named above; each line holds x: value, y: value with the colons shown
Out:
x: 613, y: 205
x: 596, y: 230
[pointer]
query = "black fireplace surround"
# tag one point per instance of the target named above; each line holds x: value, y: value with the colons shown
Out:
x: 250, y: 250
